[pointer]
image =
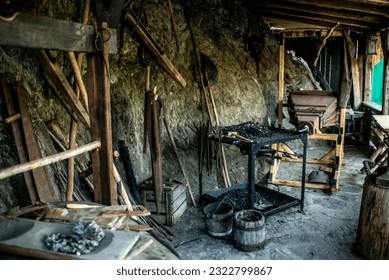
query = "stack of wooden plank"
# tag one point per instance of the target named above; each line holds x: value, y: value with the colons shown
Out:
x: 316, y: 107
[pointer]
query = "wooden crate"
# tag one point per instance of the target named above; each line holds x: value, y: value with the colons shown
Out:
x: 173, y: 202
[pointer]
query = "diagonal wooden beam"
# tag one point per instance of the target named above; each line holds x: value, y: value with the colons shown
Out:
x: 61, y: 83
x: 150, y: 43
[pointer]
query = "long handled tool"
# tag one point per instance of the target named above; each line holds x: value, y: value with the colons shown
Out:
x: 171, y: 138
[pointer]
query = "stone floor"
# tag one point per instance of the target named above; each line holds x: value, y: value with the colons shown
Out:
x: 325, y: 230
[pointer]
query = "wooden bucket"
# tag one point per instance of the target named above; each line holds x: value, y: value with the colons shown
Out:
x: 373, y: 227
x: 218, y: 218
x: 249, y: 230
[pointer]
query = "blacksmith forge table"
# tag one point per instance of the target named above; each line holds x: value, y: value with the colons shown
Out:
x: 251, y: 138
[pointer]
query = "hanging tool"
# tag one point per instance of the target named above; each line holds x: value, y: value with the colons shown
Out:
x: 109, y: 12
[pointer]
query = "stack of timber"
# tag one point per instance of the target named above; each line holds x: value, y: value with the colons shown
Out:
x: 319, y: 108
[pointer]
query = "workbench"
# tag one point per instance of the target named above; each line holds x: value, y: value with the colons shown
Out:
x: 250, y: 138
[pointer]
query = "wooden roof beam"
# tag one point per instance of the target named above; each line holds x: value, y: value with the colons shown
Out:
x: 311, y: 21
x: 331, y: 12
x: 318, y: 16
x: 357, y: 6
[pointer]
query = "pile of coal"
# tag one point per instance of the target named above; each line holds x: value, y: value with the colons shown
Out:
x: 239, y: 198
x: 84, y: 238
x: 250, y: 130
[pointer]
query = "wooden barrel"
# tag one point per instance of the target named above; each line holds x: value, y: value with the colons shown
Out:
x: 218, y: 218
x: 373, y: 227
x: 249, y: 232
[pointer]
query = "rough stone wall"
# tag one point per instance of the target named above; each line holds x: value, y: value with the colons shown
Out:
x: 246, y: 88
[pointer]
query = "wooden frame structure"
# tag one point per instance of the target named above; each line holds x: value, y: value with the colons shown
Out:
x: 37, y: 33
x: 334, y: 158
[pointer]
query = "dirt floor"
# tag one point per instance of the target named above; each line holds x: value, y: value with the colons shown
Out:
x: 325, y: 230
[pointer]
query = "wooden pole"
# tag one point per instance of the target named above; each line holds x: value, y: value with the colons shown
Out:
x: 123, y: 191
x: 174, y: 27
x: 146, y: 107
x: 281, y: 64
x: 170, y: 134
x: 77, y: 75
x: 12, y: 118
x: 31, y: 165
x: 76, y: 64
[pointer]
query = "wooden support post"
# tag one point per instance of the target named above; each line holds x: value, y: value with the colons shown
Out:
x: 281, y: 63
x: 101, y: 127
x: 368, y: 78
x: 339, y: 152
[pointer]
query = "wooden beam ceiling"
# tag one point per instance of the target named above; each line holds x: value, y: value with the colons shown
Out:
x: 362, y: 16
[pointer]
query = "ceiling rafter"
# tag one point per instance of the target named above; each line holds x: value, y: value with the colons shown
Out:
x: 311, y: 16
x: 362, y: 16
x: 348, y: 5
x: 311, y: 21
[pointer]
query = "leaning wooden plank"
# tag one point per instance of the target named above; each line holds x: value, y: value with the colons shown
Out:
x: 19, y: 142
x: 145, y: 36
x: 63, y: 86
x: 27, y: 166
x: 43, y: 185
x: 356, y: 86
x: 36, y: 32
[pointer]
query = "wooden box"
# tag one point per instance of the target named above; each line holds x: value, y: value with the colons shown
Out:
x: 173, y: 202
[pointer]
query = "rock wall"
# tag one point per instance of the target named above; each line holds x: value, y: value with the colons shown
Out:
x: 246, y: 87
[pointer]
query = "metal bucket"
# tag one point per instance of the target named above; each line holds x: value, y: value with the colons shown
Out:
x: 249, y: 230
x: 218, y: 218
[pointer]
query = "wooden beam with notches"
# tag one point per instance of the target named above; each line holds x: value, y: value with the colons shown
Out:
x: 38, y: 32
